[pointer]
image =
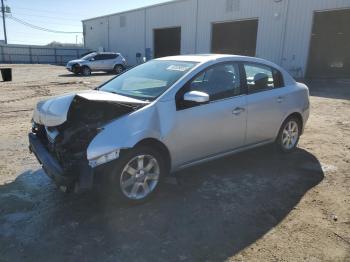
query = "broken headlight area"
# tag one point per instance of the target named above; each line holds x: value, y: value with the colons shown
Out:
x: 104, y: 159
x: 68, y: 142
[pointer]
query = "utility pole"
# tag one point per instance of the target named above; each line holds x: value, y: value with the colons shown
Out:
x: 3, y: 20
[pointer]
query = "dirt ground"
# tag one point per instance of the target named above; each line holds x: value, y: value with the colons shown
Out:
x: 254, y: 206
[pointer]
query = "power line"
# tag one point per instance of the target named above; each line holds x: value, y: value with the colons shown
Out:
x: 45, y: 11
x: 46, y: 16
x: 54, y: 23
x: 39, y: 27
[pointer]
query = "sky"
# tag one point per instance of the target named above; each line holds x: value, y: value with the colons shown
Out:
x: 60, y: 15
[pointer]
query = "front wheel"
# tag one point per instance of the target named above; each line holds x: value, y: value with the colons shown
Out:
x: 137, y: 175
x: 76, y: 69
x: 289, y: 135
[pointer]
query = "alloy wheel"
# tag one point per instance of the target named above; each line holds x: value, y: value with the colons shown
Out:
x: 290, y: 135
x: 118, y: 69
x: 140, y: 177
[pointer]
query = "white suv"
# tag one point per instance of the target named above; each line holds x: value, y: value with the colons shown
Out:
x: 108, y: 62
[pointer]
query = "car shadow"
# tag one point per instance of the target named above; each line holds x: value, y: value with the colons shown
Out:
x: 215, y: 211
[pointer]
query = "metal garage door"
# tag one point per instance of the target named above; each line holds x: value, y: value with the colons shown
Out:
x: 167, y: 42
x: 237, y: 38
x: 330, y: 45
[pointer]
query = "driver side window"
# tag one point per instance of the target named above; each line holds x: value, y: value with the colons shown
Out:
x: 219, y: 82
x: 98, y: 57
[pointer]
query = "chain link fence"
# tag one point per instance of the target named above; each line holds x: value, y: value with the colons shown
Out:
x: 28, y: 54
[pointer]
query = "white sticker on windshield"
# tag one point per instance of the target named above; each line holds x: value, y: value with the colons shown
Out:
x: 181, y: 68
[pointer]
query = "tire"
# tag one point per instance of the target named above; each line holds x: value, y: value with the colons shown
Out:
x: 76, y: 69
x: 86, y: 71
x: 118, y: 69
x: 130, y: 181
x: 289, y: 135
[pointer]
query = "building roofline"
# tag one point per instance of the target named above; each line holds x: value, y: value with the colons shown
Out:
x: 134, y: 10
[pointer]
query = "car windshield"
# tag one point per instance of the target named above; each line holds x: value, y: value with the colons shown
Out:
x: 89, y: 56
x: 148, y: 81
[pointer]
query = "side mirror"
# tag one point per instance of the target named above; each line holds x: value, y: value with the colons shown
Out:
x: 92, y: 59
x: 197, y: 97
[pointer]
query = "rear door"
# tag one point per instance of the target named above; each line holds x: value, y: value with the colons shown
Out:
x: 266, y: 101
x: 110, y: 61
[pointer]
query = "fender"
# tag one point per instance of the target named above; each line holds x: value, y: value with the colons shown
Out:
x: 126, y: 132
x: 291, y: 112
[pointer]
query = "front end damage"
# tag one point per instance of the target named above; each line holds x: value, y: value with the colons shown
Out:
x: 61, y: 135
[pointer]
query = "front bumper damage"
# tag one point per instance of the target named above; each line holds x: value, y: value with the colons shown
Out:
x: 63, y: 129
x: 80, y: 180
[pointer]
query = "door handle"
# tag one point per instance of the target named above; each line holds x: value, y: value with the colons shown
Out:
x: 237, y: 111
x: 280, y: 99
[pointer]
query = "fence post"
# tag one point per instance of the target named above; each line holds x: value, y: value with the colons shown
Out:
x: 30, y: 55
x: 55, y: 50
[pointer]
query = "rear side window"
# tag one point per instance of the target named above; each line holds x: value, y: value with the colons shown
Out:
x: 107, y: 56
x: 262, y: 78
x: 111, y: 56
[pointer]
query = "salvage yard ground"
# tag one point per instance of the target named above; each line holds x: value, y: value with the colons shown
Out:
x: 254, y: 206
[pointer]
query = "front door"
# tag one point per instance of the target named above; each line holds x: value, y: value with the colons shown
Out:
x: 219, y: 126
x: 97, y: 63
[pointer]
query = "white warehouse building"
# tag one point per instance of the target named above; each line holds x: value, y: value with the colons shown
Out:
x: 309, y: 38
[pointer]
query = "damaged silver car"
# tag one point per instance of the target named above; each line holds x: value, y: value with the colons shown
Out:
x: 163, y: 116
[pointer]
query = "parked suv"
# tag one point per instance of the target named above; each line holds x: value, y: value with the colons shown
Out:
x: 108, y: 62
x: 166, y: 115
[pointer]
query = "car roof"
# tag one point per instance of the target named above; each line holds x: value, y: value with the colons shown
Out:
x: 204, y: 58
x: 201, y: 58
x: 212, y: 58
x: 207, y: 58
x: 107, y: 53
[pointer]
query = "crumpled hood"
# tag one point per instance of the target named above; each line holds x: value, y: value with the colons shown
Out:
x: 53, y: 112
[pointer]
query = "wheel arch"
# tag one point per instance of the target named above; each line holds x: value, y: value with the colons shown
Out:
x: 77, y: 66
x: 82, y: 66
x: 119, y: 64
x: 298, y: 116
x: 295, y: 114
x: 158, y: 145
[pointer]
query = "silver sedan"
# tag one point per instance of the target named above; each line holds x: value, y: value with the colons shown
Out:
x: 166, y: 115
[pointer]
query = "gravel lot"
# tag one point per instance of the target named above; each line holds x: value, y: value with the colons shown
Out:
x: 254, y: 206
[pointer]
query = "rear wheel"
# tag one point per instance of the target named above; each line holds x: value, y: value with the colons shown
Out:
x: 86, y: 71
x: 137, y: 175
x: 118, y: 69
x: 289, y: 135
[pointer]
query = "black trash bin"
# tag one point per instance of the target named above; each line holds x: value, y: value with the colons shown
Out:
x: 6, y: 74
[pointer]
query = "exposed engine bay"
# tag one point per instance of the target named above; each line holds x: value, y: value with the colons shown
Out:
x: 68, y: 142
